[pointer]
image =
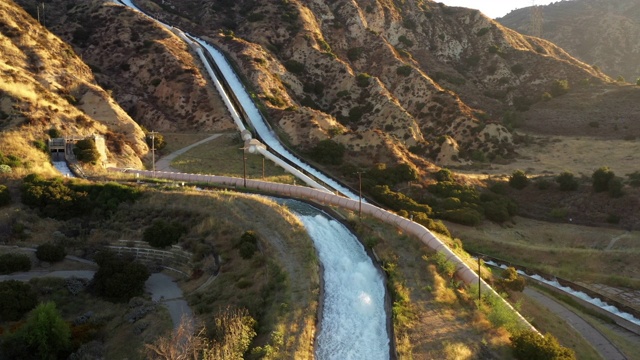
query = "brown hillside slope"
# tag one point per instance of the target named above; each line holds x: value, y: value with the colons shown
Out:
x: 44, y: 85
x: 150, y: 70
x: 600, y: 32
x: 306, y: 60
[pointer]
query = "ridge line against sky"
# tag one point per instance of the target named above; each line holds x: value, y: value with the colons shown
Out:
x: 495, y: 8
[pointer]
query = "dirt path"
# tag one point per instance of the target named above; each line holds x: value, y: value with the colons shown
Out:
x: 591, y: 334
x: 164, y: 164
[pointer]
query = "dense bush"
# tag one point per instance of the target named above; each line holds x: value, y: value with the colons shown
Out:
x: 444, y: 175
x: 528, y: 345
x: 559, y: 87
x: 155, y: 140
x: 162, y: 234
x: 5, y: 195
x: 601, y: 179
x: 615, y: 187
x: 118, y: 279
x: 464, y: 216
x: 45, y: 335
x: 380, y: 174
x: 10, y: 263
x: 50, y: 252
x: 57, y: 199
x: 16, y: 298
x: 567, y: 181
x: 397, y: 201
x: 327, y: 152
x: 10, y: 160
x: 511, y: 280
x: 248, y: 244
x: 294, y: 66
x: 404, y: 70
x: 363, y: 79
x: 86, y: 151
x: 354, y: 53
x: 518, y: 180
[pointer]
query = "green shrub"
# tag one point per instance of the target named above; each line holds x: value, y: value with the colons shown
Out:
x: 353, y: 54
x: 16, y: 299
x: 559, y: 87
x: 517, y: 69
x: 510, y: 280
x: 483, y: 31
x: 10, y: 263
x: 614, y: 187
x: 397, y: 201
x: 546, y: 96
x: 518, y: 180
x: 638, y: 82
x: 248, y: 244
x: 543, y: 184
x: 118, y: 279
x: 86, y: 151
x: 10, y: 160
x: 363, y: 79
x: 54, y: 133
x: 444, y: 175
x: 5, y: 195
x: 327, y: 152
x: 50, y: 252
x: 567, y: 181
x: 444, y: 266
x: 403, y: 39
x: 5, y: 169
x: 601, y: 179
x: 529, y: 345
x: 162, y: 234
x: 464, y: 216
x: 294, y: 66
x: 404, y: 70
x: 634, y: 179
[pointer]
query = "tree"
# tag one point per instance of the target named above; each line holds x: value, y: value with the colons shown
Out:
x: 601, y: 179
x: 614, y: 187
x: 620, y: 78
x: 86, y: 151
x: 162, y: 234
x: 118, y: 279
x: 50, y: 252
x: 444, y: 175
x: 529, y: 345
x: 567, y: 181
x: 46, y: 333
x: 518, y: 180
x: 16, y: 298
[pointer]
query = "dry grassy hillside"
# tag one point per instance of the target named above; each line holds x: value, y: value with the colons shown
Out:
x: 410, y: 80
x: 44, y: 85
x: 151, y: 72
x: 600, y: 32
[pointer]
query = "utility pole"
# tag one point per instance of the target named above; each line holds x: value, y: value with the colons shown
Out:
x: 360, y: 194
x: 244, y: 167
x: 153, y: 152
x: 479, y: 292
x: 44, y: 22
x: 536, y: 20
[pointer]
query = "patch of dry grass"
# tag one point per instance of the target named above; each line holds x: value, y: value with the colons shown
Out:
x: 223, y: 156
x: 574, y: 252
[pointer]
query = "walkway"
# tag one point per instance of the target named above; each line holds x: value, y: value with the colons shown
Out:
x: 164, y: 164
x: 606, y: 349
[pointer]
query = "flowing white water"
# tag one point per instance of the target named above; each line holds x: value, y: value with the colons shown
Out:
x: 579, y: 294
x: 63, y: 168
x: 353, y: 319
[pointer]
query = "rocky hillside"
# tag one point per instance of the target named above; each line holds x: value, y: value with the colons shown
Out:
x: 149, y: 70
x: 412, y: 80
x: 603, y: 33
x: 45, y: 85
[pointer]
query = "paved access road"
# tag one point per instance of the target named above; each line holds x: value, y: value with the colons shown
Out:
x: 591, y: 334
